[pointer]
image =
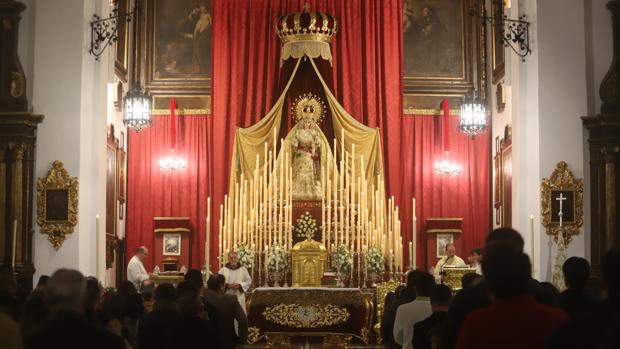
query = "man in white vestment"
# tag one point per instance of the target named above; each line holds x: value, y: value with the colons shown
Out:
x: 449, y: 260
x: 238, y: 280
x: 135, y: 269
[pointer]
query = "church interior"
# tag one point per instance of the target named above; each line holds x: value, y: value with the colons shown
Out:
x: 341, y: 170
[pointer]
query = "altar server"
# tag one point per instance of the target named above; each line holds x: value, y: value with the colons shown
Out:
x: 238, y: 279
x: 449, y: 260
x: 135, y: 269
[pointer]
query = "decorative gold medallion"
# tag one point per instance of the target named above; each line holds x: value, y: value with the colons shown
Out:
x: 561, y: 201
x: 309, y: 105
x: 57, y: 204
x: 306, y: 316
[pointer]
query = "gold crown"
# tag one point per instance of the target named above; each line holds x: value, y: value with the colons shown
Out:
x: 309, y: 105
x: 306, y: 26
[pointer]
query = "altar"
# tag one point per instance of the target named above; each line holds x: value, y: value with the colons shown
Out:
x: 281, y: 316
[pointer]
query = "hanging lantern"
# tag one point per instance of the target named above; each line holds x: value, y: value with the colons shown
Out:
x: 137, y: 112
x: 445, y: 167
x: 172, y: 164
x: 473, y: 118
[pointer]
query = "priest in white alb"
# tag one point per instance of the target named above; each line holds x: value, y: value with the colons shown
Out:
x: 136, y: 273
x: 238, y: 279
x: 449, y: 260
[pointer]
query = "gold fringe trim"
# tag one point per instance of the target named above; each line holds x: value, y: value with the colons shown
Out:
x: 158, y: 112
x: 436, y: 112
x: 171, y: 230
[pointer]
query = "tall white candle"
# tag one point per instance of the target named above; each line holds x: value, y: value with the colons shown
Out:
x: 207, y: 235
x: 97, y: 252
x: 532, y: 249
x: 414, y: 228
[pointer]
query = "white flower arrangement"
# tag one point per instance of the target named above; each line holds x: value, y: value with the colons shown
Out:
x: 246, y: 255
x: 375, y: 263
x: 277, y: 260
x: 306, y: 226
x: 343, y: 259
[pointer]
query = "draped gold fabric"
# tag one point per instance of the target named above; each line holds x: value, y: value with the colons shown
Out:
x: 249, y: 142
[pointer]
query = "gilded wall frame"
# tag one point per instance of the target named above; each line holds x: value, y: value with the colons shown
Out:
x: 57, y: 204
x: 562, y: 182
x: 121, y: 58
x: 444, y: 54
x: 498, y: 50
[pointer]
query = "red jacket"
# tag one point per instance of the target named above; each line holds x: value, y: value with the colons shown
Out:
x: 518, y: 322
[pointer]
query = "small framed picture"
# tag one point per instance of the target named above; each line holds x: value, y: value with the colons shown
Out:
x: 172, y: 245
x: 442, y: 241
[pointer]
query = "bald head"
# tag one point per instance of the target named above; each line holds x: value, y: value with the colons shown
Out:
x: 66, y: 289
x: 142, y: 252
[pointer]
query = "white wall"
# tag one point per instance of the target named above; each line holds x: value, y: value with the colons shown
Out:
x: 70, y: 89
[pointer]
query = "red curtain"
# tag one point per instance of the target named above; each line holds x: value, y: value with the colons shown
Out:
x: 151, y: 193
x: 466, y: 195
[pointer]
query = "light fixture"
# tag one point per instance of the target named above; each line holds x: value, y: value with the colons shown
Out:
x: 473, y: 117
x: 172, y: 164
x: 515, y: 33
x: 445, y: 167
x: 103, y: 31
x: 137, y: 111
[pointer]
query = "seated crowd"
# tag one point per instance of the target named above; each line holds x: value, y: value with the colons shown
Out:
x: 503, y: 308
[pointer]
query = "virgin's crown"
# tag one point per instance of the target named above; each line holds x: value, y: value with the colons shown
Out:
x: 306, y: 26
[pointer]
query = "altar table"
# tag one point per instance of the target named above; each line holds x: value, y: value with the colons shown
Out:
x: 282, y: 315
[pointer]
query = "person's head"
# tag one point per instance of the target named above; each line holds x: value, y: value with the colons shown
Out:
x: 165, y: 295
x: 505, y: 235
x: 194, y: 276
x: 441, y: 296
x: 147, y: 289
x: 126, y: 288
x: 470, y: 279
x: 545, y: 293
x: 43, y: 280
x: 611, y: 272
x: 185, y: 286
x: 450, y: 250
x: 576, y: 272
x: 142, y: 252
x: 216, y: 283
x: 133, y: 306
x: 506, y: 270
x: 475, y: 256
x: 420, y: 282
x: 189, y: 303
x: 65, y: 290
x: 233, y: 258
x: 93, y: 293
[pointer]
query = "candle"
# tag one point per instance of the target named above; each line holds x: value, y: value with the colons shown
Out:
x: 97, y: 253
x: 413, y: 237
x: 532, y: 250
x: 207, y: 233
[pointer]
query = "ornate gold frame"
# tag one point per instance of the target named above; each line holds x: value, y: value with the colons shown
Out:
x: 57, y: 179
x: 561, y: 179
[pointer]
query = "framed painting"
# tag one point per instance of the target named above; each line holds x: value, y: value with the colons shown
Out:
x: 443, y: 53
x: 497, y: 186
x: 498, y: 59
x: 443, y: 240
x: 110, y: 183
x: 506, y: 180
x: 172, y: 245
x: 121, y: 58
x: 178, y: 44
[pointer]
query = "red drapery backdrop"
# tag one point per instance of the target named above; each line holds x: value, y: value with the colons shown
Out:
x: 366, y: 79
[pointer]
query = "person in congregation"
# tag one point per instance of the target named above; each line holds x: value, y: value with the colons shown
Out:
x: 575, y: 300
x: 238, y: 279
x: 223, y: 309
x: 475, y: 257
x: 449, y: 260
x: 136, y: 273
x: 440, y: 302
x: 409, y: 314
x: 389, y: 314
x: 156, y: 329
x: 514, y: 319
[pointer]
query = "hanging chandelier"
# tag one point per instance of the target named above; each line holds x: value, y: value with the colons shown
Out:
x: 137, y: 111
x: 447, y: 168
x: 473, y: 118
x: 172, y: 164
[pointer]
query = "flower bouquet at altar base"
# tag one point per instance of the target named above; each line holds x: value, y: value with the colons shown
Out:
x: 343, y: 259
x: 277, y: 259
x: 375, y: 262
x: 305, y: 226
x: 246, y: 255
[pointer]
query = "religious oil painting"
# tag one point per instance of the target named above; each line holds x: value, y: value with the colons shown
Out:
x: 56, y: 205
x: 181, y: 39
x: 443, y: 240
x: 172, y: 245
x: 563, y: 201
x: 497, y: 33
x: 433, y: 35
